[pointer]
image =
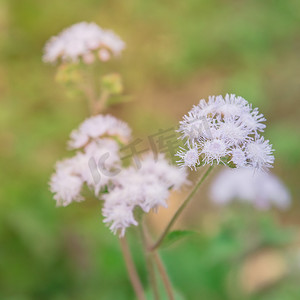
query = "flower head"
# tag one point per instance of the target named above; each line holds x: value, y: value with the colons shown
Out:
x: 232, y: 105
x: 213, y: 150
x: 233, y: 131
x: 65, y: 184
x: 224, y: 130
x: 238, y: 157
x: 259, y: 188
x: 83, y: 41
x: 118, y: 217
x: 95, y: 165
x: 188, y: 158
x: 172, y: 176
x: 148, y: 188
x: 99, y: 126
x: 260, y: 153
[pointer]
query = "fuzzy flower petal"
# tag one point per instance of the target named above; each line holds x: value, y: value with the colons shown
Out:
x: 118, y: 217
x: 65, y: 184
x: 260, y: 154
x: 81, y: 40
x: 224, y: 130
x: 258, y: 188
x: 148, y: 188
x: 99, y: 126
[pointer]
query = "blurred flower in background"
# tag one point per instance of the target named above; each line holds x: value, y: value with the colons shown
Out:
x: 84, y: 41
x: 261, y: 189
x: 97, y: 140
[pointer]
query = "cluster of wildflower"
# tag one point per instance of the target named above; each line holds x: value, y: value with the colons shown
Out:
x: 96, y: 126
x: 147, y: 187
x: 258, y: 188
x: 83, y: 41
x: 96, y: 139
x: 97, y: 142
x: 225, y: 130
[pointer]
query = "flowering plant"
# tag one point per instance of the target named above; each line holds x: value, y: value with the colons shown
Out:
x: 218, y: 131
x: 230, y: 135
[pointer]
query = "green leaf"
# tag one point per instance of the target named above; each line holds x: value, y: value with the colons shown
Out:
x: 175, y: 236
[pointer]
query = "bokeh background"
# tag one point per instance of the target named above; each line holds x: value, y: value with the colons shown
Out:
x: 177, y: 52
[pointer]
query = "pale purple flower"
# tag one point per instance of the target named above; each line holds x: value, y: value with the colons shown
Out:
x: 99, y: 126
x: 224, y: 130
x: 82, y: 41
x: 96, y: 166
x: 65, y: 184
x: 260, y: 153
x: 188, y: 157
x: 247, y: 185
x: 118, y: 217
x: 148, y: 188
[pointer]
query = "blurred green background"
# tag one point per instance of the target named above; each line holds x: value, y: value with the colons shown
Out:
x: 177, y: 52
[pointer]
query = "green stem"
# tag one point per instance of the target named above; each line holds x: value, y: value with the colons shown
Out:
x: 180, y: 209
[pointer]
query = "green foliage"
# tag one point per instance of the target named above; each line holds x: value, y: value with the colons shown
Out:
x: 175, y: 236
x: 213, y: 262
x: 163, y: 294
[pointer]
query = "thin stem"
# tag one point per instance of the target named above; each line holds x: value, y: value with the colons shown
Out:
x: 100, y: 104
x: 180, y: 209
x: 161, y: 267
x: 91, y: 97
x: 133, y: 275
x: 150, y: 264
x: 96, y: 105
x: 164, y: 275
x: 152, y: 276
x: 96, y: 101
x: 88, y: 87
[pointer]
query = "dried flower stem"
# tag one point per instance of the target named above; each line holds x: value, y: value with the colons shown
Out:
x: 164, y: 275
x: 88, y: 89
x: 152, y: 275
x: 180, y: 209
x: 133, y: 275
x: 150, y: 262
x: 100, y: 104
x: 162, y: 271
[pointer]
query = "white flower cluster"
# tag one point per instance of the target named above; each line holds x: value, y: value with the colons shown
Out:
x: 225, y: 130
x: 259, y: 188
x: 97, y: 164
x: 83, y: 41
x: 148, y: 188
x: 99, y: 126
x: 96, y: 138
